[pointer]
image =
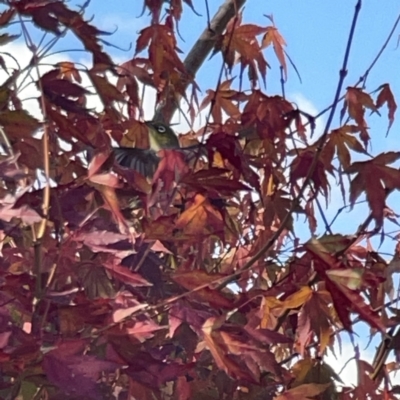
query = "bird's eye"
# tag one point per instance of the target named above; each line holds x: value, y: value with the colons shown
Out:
x: 161, y: 129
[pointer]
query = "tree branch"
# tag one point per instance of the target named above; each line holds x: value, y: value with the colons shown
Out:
x: 199, y: 52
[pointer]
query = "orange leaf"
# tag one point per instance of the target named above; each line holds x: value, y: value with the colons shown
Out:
x: 269, y: 305
x: 278, y: 42
x: 136, y: 135
x: 200, y: 218
x: 68, y: 71
x: 299, y: 298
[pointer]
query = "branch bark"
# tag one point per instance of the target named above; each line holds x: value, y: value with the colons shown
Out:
x: 199, y: 52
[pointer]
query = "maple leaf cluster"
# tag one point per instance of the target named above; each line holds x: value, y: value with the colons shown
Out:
x: 192, y: 283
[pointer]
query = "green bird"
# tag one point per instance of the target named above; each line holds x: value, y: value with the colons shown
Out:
x: 145, y: 161
x: 161, y: 136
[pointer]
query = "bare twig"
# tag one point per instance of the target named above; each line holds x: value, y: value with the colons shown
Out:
x: 368, y: 70
x: 380, y: 52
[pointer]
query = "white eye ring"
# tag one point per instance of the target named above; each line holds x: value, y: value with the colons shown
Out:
x: 161, y: 129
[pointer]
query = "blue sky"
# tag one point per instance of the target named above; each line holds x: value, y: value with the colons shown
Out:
x: 316, y: 33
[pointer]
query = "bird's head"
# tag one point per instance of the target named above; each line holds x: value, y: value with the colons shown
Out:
x: 161, y: 136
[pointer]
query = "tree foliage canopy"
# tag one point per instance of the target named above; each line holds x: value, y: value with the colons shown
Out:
x: 193, y: 284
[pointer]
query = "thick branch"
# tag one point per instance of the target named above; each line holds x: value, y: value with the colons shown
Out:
x: 199, y: 52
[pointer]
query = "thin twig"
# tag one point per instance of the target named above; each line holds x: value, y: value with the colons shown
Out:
x: 368, y: 70
x: 314, y: 193
x: 40, y: 231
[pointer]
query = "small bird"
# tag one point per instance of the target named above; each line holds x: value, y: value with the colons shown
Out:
x: 161, y: 137
x: 145, y: 161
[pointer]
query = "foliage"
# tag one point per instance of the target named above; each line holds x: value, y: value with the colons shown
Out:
x: 193, y: 284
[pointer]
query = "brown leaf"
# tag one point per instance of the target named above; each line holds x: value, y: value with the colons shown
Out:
x: 220, y: 354
x: 242, y: 40
x: 339, y: 142
x: 300, y: 168
x: 305, y: 391
x: 272, y: 36
x: 52, y: 86
x: 194, y: 279
x: 106, y: 91
x: 136, y: 135
x: 357, y: 101
x: 18, y: 124
x: 215, y: 180
x: 223, y: 101
x: 317, y: 313
x: 386, y: 96
x: 347, y: 301
x: 6, y: 16
x: 6, y: 38
x: 385, y: 178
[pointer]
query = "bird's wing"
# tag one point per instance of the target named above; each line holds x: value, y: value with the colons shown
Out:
x: 143, y: 161
x: 146, y: 161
